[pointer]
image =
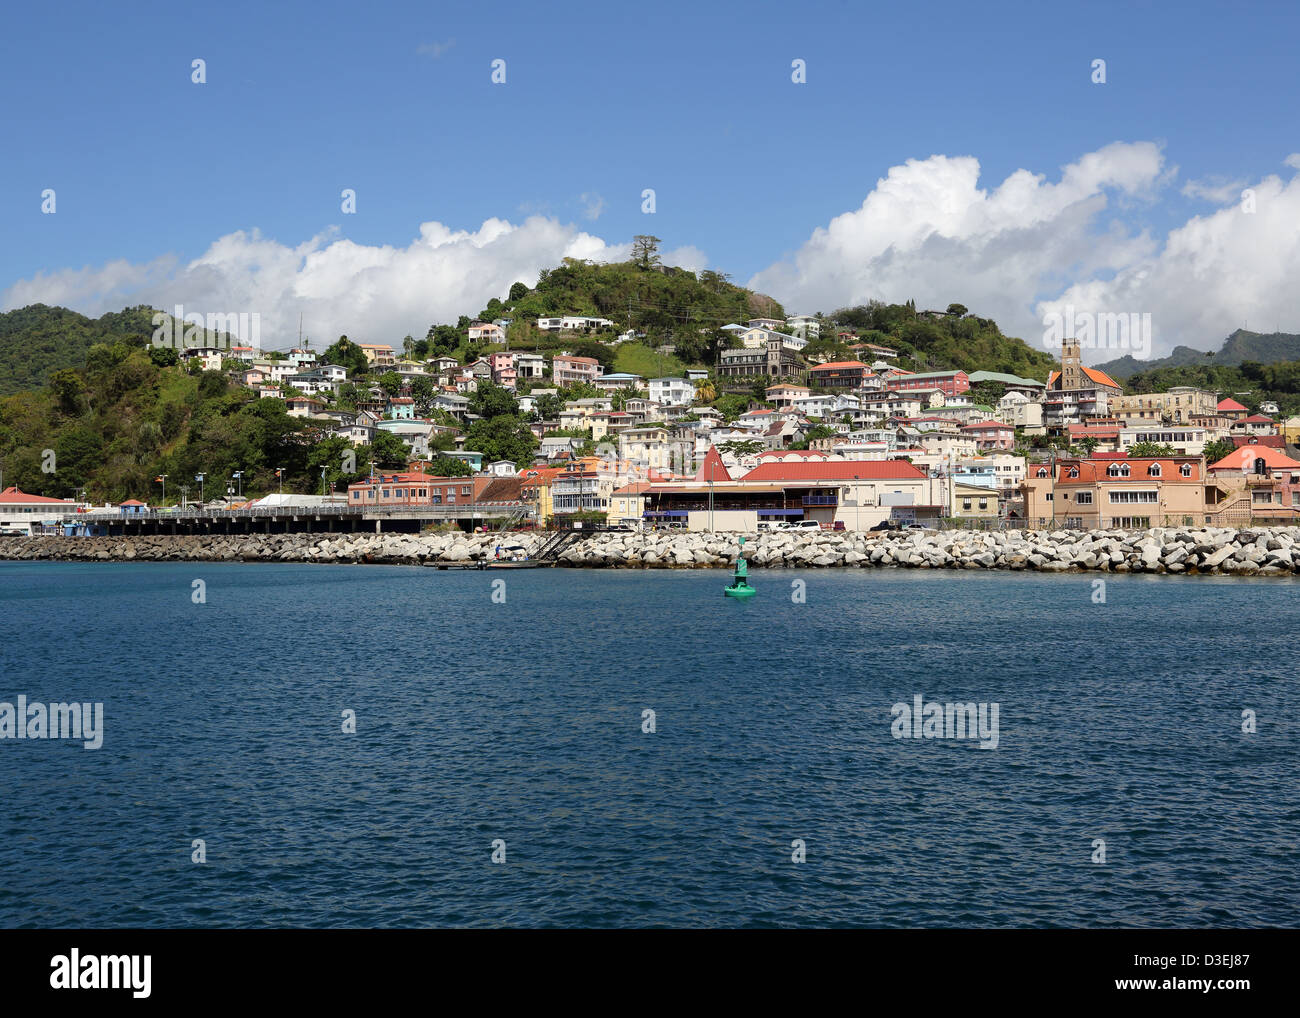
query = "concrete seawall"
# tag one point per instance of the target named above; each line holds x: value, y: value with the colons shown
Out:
x: 1271, y: 551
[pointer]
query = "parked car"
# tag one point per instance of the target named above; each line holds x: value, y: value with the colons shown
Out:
x: 886, y: 525
x: 806, y: 525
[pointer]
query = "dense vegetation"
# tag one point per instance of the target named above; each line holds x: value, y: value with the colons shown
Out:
x: 1239, y: 348
x: 954, y: 339
x: 114, y: 425
x: 1249, y: 384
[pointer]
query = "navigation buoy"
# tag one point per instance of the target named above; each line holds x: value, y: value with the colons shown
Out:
x: 740, y: 582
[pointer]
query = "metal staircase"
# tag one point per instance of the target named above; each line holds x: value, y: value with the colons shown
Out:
x: 555, y: 545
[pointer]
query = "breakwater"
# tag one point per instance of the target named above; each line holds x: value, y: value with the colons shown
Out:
x: 1262, y: 551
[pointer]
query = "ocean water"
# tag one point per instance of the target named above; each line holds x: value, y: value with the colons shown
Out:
x: 522, y: 721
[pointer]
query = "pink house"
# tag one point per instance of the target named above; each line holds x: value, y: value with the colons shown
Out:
x: 991, y: 435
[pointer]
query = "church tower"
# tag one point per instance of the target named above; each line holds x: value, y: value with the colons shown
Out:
x: 1071, y: 364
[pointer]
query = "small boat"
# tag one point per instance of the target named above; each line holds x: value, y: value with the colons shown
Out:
x: 513, y: 557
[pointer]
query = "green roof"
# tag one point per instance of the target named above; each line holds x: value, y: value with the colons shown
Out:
x: 996, y: 376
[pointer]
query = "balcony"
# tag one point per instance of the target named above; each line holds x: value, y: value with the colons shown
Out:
x: 832, y: 500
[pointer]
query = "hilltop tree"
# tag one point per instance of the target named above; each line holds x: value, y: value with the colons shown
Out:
x: 645, y: 251
x: 346, y: 354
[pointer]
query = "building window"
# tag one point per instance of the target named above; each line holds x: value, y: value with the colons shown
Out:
x: 1185, y: 470
x: 1118, y: 470
x: 1153, y: 470
x: 1084, y: 498
x: 1042, y: 471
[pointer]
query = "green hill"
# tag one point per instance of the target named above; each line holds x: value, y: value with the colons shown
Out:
x: 1240, y: 348
x: 938, y: 340
x: 38, y: 340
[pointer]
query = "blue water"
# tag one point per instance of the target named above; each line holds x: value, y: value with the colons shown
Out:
x: 522, y: 721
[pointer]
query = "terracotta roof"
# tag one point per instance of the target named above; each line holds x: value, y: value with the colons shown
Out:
x: 12, y: 494
x: 712, y: 469
x: 869, y: 470
x: 1095, y: 376
x: 1274, y: 459
x: 1257, y: 419
x: 1095, y: 469
x: 839, y: 365
x: 1229, y: 404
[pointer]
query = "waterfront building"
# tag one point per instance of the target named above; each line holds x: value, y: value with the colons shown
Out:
x: 1113, y: 490
x: 21, y: 512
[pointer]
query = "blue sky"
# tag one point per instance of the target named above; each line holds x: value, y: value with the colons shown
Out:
x: 601, y: 101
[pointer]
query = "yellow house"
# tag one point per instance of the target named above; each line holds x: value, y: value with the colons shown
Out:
x: 973, y: 501
x: 628, y: 502
x: 536, y: 489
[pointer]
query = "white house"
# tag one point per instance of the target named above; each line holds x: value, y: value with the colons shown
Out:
x: 669, y: 391
x: 19, y: 511
x: 805, y: 326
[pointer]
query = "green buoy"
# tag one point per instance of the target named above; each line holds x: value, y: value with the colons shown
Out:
x: 740, y: 583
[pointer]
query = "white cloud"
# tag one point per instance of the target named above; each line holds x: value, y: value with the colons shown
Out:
x: 592, y: 204
x: 1216, y: 190
x: 1213, y: 274
x: 928, y: 231
x: 341, y: 287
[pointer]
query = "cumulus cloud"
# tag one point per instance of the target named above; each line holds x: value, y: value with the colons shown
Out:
x: 928, y: 231
x: 1028, y: 246
x: 366, y: 292
x: 1215, y: 272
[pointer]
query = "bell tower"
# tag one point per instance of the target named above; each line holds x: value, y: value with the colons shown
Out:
x: 1071, y: 364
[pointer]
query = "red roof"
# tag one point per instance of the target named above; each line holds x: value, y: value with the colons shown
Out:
x: 1097, y: 378
x: 12, y: 494
x: 867, y: 470
x: 1230, y: 404
x: 131, y: 501
x: 1244, y: 457
x: 712, y: 469
x: 839, y: 366
x: 1257, y: 419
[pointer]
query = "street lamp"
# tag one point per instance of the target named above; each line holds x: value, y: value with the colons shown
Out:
x: 162, y: 479
x: 199, y: 478
x: 279, y: 473
x: 238, y: 478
